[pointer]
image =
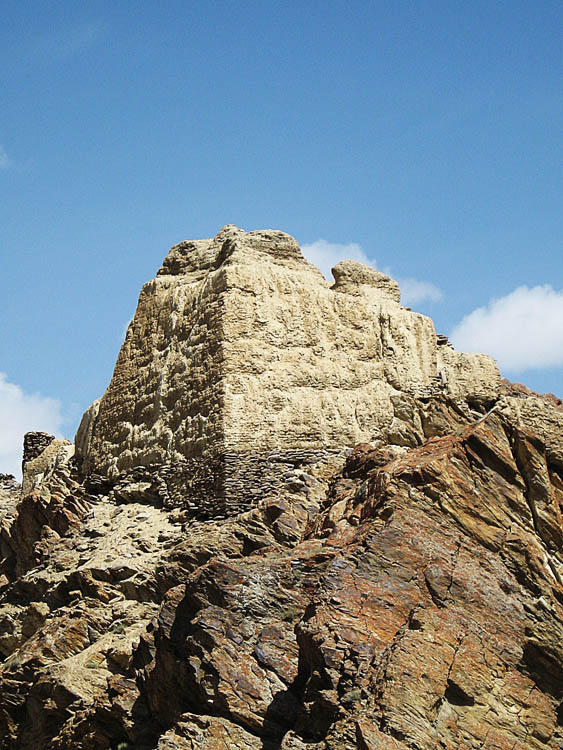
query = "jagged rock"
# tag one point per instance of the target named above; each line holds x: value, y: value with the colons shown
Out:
x: 218, y: 567
x: 34, y: 443
x: 436, y: 621
x: 55, y: 454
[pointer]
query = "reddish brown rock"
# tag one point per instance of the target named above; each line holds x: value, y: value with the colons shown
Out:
x: 413, y: 602
x: 434, y: 623
x: 422, y: 610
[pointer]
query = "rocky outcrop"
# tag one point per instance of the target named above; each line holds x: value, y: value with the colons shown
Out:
x: 34, y: 443
x: 404, y: 594
x: 240, y: 349
x: 41, y: 463
x: 411, y: 600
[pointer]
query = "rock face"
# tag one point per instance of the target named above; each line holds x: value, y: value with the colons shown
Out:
x: 240, y: 354
x: 214, y: 565
x: 42, y: 454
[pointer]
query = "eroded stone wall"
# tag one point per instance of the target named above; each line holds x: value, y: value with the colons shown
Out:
x: 240, y: 347
x: 165, y: 399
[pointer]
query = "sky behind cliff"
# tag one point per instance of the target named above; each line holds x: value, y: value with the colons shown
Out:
x: 421, y: 136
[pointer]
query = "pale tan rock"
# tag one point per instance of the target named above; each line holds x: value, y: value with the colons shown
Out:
x: 241, y: 345
x: 473, y: 377
x: 350, y: 276
x: 10, y: 494
x: 195, y: 732
x: 55, y: 455
x: 84, y: 433
x: 540, y: 415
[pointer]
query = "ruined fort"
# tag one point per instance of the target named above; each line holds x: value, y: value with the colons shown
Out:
x: 241, y: 358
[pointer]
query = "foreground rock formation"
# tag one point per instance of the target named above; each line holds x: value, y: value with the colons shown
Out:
x: 296, y: 519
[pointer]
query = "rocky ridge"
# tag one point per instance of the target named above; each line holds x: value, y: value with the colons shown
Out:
x: 393, y: 581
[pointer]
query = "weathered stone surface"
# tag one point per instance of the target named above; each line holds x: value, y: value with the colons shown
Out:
x: 432, y: 621
x: 544, y: 416
x: 352, y: 277
x: 406, y: 594
x: 240, y: 345
x: 35, y: 470
x: 75, y: 556
x: 195, y: 732
x: 10, y: 494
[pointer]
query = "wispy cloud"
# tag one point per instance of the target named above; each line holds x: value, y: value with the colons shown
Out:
x: 5, y: 161
x: 414, y: 291
x: 522, y: 330
x: 326, y: 254
x: 21, y: 412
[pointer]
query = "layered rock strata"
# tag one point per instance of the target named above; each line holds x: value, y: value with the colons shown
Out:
x: 412, y: 600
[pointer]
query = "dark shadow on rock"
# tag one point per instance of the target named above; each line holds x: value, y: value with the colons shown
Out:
x: 280, y: 717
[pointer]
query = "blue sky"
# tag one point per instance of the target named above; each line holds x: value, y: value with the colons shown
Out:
x: 425, y: 134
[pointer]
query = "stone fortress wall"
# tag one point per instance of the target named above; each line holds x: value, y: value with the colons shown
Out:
x: 241, y: 357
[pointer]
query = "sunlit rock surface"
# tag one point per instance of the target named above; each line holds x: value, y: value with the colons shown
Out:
x: 296, y: 520
x: 240, y: 349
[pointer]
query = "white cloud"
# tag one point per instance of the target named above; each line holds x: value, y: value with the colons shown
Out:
x: 22, y: 412
x: 325, y: 255
x: 414, y: 291
x: 5, y: 161
x: 522, y: 331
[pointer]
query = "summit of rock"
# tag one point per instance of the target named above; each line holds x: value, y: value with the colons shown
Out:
x: 239, y: 346
x: 232, y: 244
